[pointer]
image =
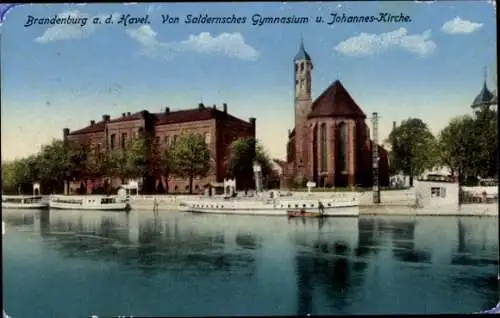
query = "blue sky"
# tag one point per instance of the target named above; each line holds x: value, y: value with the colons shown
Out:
x: 64, y: 76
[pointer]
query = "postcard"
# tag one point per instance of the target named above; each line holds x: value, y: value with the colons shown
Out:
x: 308, y: 138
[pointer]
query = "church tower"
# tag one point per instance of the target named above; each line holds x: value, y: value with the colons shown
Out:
x: 303, y: 101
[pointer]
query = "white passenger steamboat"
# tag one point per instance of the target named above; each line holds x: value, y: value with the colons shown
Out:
x: 100, y: 203
x: 24, y: 202
x: 35, y: 201
x: 272, y: 203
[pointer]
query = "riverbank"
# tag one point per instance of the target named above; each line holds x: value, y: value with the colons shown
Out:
x: 396, y: 207
x: 490, y: 210
x: 389, y: 198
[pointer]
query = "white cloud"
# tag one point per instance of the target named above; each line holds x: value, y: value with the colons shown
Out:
x: 459, y: 26
x: 79, y: 30
x: 228, y: 44
x: 371, y: 43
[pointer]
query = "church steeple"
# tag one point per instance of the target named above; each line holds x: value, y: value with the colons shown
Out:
x: 303, y: 70
x: 303, y: 101
x: 302, y: 55
x: 485, y: 97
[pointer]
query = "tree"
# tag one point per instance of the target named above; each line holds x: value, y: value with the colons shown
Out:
x: 18, y: 175
x: 190, y: 157
x: 243, y: 153
x: 455, y: 142
x: 469, y: 145
x: 8, y: 177
x: 116, y: 164
x: 77, y: 160
x: 165, y: 163
x: 137, y: 162
x: 96, y: 163
x: 58, y: 163
x: 413, y: 147
x: 486, y: 138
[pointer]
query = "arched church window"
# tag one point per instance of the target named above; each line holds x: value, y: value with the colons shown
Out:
x: 296, y: 68
x: 340, y: 138
x: 301, y: 66
x: 324, y: 153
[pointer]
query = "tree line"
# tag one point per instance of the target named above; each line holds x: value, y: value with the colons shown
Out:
x: 468, y: 146
x: 143, y: 158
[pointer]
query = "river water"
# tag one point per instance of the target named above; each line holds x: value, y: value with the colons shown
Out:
x: 77, y: 264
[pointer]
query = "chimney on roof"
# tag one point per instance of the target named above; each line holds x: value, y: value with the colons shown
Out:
x: 92, y: 122
x: 224, y: 107
x: 214, y: 106
x: 201, y: 106
x: 289, y: 132
x: 65, y: 134
x: 105, y: 117
x: 167, y: 110
x: 252, y: 122
x: 124, y: 114
x: 393, y: 125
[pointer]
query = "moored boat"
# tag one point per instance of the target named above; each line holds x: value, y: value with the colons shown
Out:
x: 99, y: 203
x: 347, y: 205
x: 24, y: 202
x: 304, y: 213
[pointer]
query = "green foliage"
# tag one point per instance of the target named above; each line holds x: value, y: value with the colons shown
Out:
x: 244, y: 152
x: 469, y: 145
x: 116, y: 164
x: 58, y: 161
x: 97, y: 163
x: 414, y: 148
x: 55, y: 163
x: 137, y: 157
x: 18, y: 174
x: 166, y: 163
x: 190, y: 157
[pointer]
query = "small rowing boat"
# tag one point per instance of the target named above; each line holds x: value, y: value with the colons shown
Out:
x: 304, y: 213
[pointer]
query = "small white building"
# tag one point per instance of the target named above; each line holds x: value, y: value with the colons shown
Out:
x: 399, y: 181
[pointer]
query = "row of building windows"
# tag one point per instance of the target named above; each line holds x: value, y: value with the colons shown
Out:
x: 123, y: 140
x: 166, y: 140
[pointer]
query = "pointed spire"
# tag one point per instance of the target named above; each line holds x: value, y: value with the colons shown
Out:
x: 485, y: 97
x: 302, y: 54
x: 485, y: 76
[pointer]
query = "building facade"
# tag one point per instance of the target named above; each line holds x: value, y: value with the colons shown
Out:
x: 330, y: 143
x: 218, y: 127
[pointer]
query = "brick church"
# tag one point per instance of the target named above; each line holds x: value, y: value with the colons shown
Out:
x: 330, y: 144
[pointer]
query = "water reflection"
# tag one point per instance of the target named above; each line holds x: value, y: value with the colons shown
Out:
x: 327, y: 263
x: 336, y: 265
x: 142, y: 241
x: 19, y: 218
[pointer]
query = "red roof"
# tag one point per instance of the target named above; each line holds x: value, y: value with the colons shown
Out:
x: 187, y: 115
x: 335, y: 101
x: 134, y: 116
x: 173, y: 117
x: 97, y: 127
